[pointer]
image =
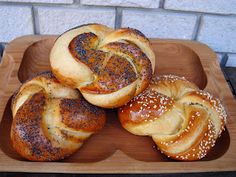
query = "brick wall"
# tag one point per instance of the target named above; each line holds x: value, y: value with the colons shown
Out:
x: 209, y: 21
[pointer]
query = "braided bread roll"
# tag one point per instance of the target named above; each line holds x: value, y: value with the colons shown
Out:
x: 51, y: 121
x: 108, y: 66
x: 183, y: 121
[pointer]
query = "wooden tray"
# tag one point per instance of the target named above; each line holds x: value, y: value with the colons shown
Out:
x: 114, y: 150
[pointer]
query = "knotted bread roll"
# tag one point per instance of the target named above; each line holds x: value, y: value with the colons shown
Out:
x: 184, y: 121
x: 51, y: 121
x: 108, y: 66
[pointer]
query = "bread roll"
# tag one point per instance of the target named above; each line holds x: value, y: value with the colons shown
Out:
x: 51, y: 121
x: 108, y: 66
x: 183, y: 121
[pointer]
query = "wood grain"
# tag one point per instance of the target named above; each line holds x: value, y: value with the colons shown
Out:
x: 114, y: 150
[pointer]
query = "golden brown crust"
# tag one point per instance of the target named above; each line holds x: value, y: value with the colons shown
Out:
x: 148, y: 106
x: 210, y: 102
x: 131, y: 31
x: 172, y: 86
x: 140, y: 60
x: 87, y: 118
x: 184, y: 121
x: 26, y: 132
x: 200, y: 147
x: 51, y: 121
x: 112, y: 78
x: 82, y: 48
x: 103, y: 61
x: 65, y: 81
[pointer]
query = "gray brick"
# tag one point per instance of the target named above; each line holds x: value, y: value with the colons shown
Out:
x: 210, y: 6
x: 218, y: 32
x: 15, y: 21
x: 231, y: 60
x: 124, y: 3
x: 56, y: 20
x: 41, y: 1
x: 160, y: 24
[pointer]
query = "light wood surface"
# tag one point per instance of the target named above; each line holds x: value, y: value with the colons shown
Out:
x: 114, y: 150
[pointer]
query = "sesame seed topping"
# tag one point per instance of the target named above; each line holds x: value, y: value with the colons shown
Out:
x: 152, y: 105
